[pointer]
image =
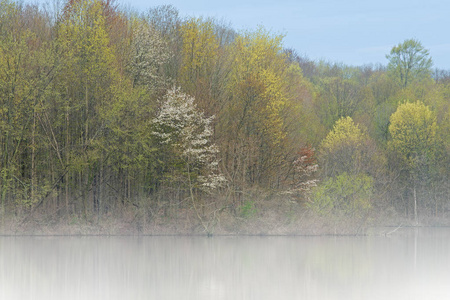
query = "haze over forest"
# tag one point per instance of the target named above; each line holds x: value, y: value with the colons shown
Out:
x: 150, y: 120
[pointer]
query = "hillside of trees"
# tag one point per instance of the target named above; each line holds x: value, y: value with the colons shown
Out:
x: 108, y: 114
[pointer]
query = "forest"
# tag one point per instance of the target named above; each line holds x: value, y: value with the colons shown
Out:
x: 152, y: 120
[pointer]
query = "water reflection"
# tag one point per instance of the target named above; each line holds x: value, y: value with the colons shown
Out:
x: 408, y: 265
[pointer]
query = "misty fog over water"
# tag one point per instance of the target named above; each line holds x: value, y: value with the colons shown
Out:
x: 408, y: 264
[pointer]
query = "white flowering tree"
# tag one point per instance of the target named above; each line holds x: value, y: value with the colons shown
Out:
x: 184, y: 135
x: 149, y: 52
x: 304, y: 172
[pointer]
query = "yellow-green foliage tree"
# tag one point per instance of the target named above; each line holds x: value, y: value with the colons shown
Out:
x: 88, y: 70
x: 253, y: 125
x: 348, y: 160
x: 413, y: 134
x: 200, y: 53
x: 199, y: 49
x: 347, y: 194
x: 413, y: 130
x: 347, y: 148
x: 14, y: 88
x: 26, y: 68
x: 89, y: 90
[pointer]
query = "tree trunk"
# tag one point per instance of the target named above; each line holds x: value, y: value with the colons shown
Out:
x: 66, y: 176
x: 33, y: 151
x: 415, y: 203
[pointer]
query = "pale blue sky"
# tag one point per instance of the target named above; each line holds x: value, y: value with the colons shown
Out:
x: 353, y: 32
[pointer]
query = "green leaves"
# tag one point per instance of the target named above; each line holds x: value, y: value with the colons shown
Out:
x: 347, y: 159
x: 345, y: 193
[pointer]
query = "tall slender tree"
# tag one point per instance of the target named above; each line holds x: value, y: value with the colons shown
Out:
x: 409, y: 61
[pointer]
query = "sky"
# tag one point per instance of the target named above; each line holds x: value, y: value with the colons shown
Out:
x: 353, y: 32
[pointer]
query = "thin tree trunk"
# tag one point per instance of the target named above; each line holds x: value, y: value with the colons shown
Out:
x: 66, y: 176
x: 100, y: 187
x: 191, y: 194
x: 33, y: 151
x: 87, y: 119
x: 415, y: 204
x: 86, y: 141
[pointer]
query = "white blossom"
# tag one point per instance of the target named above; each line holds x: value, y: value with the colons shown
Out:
x: 148, y: 54
x: 188, y: 131
x: 305, y: 168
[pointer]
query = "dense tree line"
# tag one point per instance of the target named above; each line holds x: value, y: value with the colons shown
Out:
x: 104, y: 110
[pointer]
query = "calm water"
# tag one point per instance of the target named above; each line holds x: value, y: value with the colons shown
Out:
x: 412, y: 264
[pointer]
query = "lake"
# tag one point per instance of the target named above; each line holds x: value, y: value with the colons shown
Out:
x: 408, y: 264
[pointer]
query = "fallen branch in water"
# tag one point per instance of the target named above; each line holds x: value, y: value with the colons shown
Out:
x: 399, y: 226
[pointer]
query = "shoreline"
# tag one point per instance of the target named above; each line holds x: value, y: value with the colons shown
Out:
x: 271, y: 217
x: 312, y: 227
